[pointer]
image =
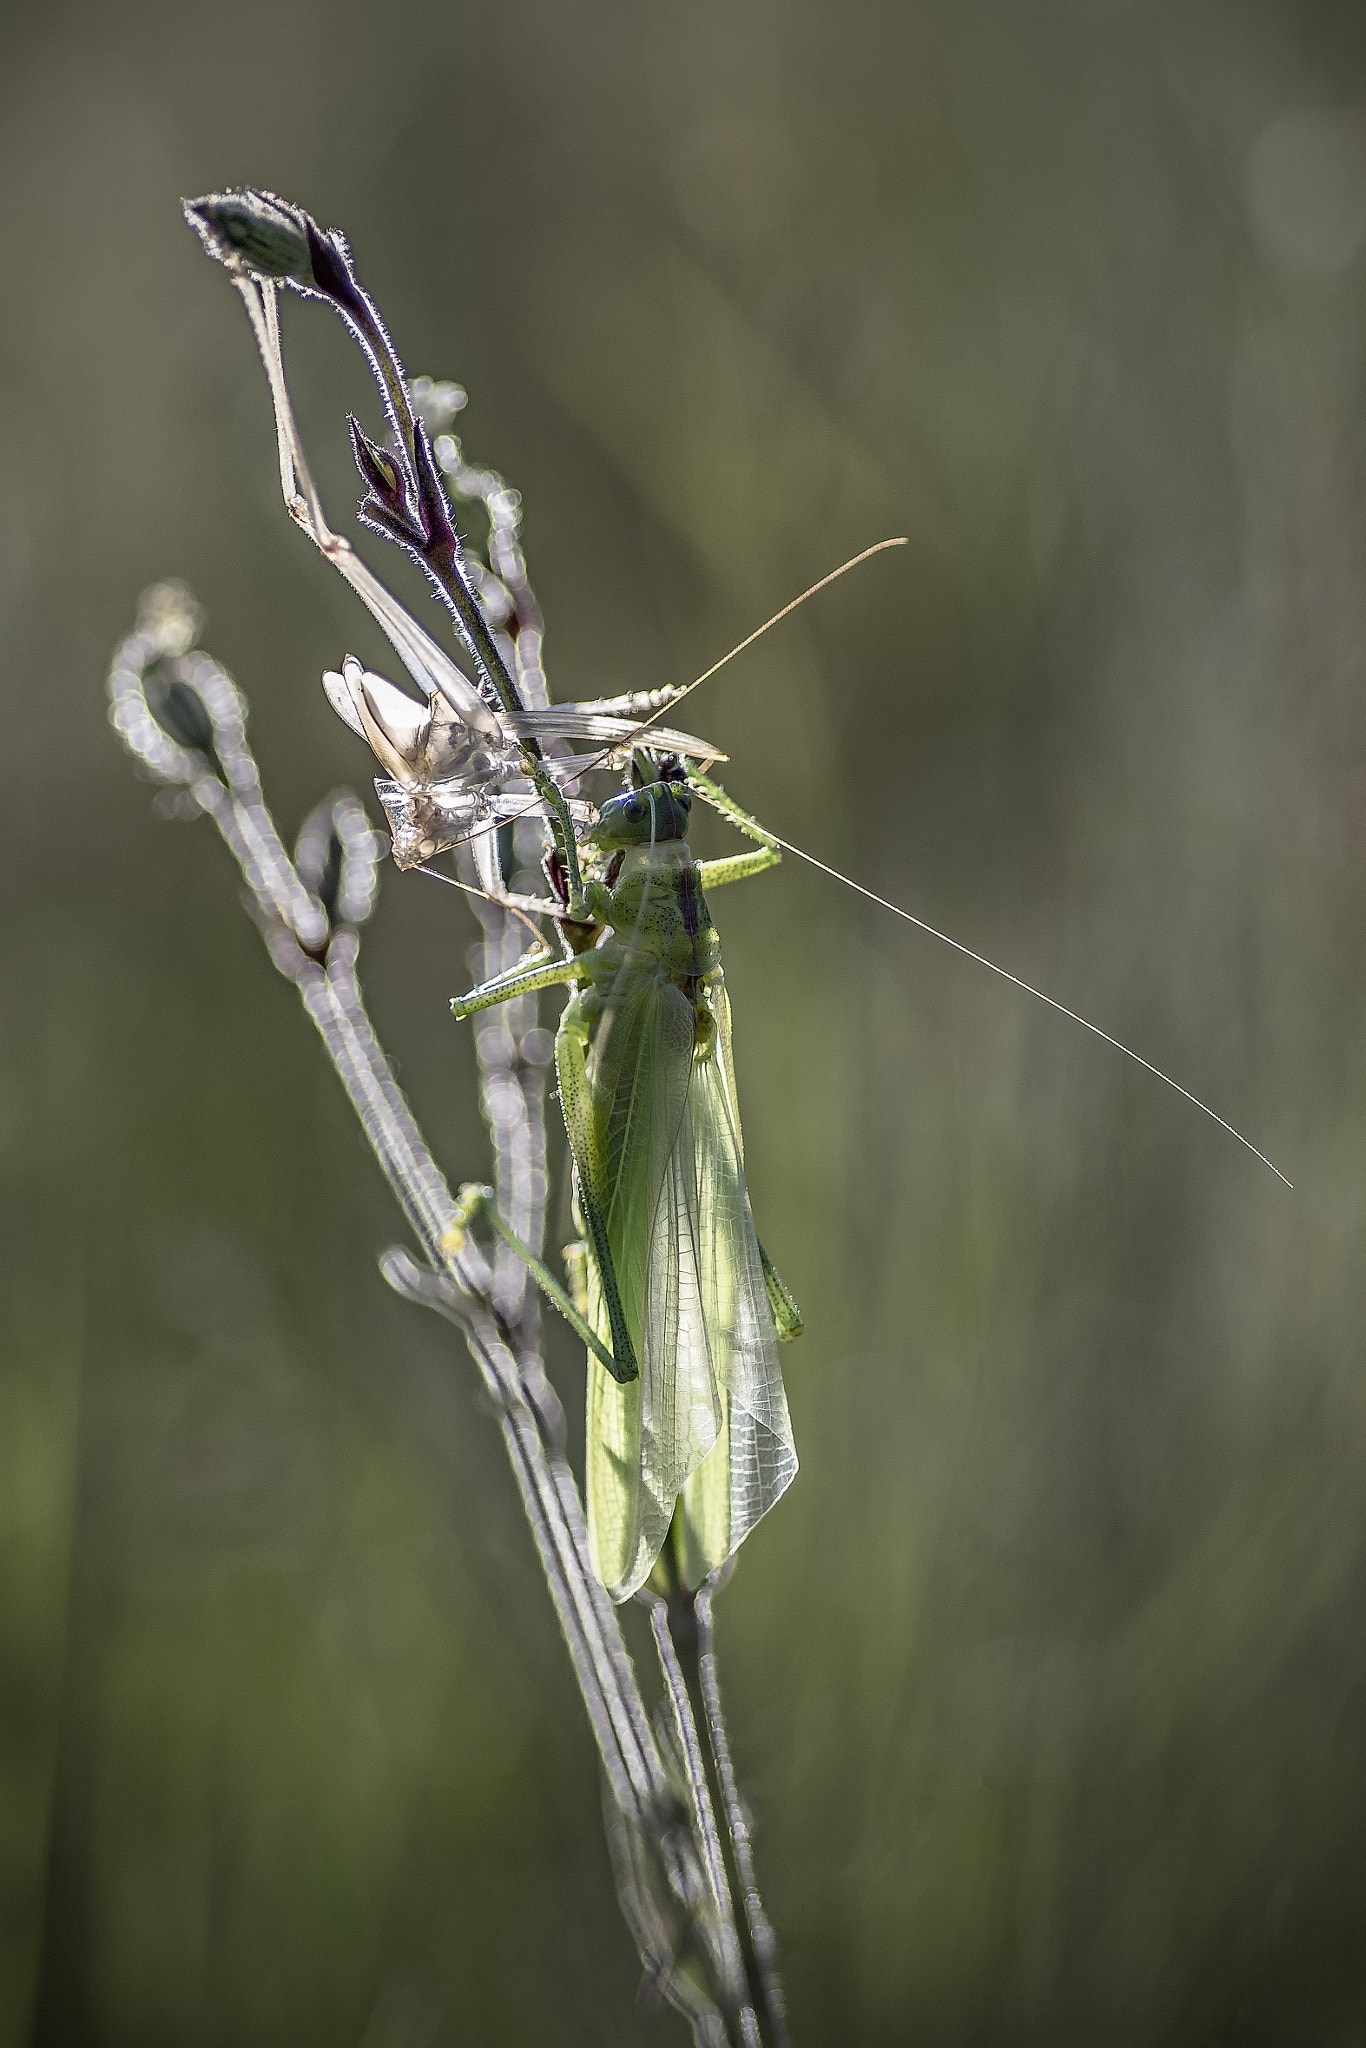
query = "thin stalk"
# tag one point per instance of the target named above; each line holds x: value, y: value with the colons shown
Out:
x: 481, y: 1202
x: 688, y: 1938
x: 737, y: 2002
x: 763, y: 1941
x: 436, y: 541
x: 435, y: 544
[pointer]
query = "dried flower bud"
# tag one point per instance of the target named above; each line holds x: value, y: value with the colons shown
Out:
x: 180, y: 712
x: 256, y: 232
x: 337, y: 858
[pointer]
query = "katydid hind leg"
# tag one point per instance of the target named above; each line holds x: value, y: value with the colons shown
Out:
x: 576, y: 1102
x: 595, y: 1224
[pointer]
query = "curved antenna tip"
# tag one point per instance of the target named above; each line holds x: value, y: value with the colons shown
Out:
x: 1028, y: 988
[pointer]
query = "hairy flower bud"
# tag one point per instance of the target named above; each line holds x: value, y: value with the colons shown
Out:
x: 256, y: 232
x: 378, y: 468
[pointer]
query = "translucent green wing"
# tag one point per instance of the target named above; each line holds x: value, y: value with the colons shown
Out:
x: 612, y: 1479
x: 683, y: 1345
x: 623, y: 1135
x: 707, y: 1419
x: 755, y: 1459
x: 787, y: 1316
x: 638, y: 1072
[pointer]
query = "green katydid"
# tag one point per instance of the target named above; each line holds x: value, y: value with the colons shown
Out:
x: 678, y: 1304
x: 680, y: 1307
x: 687, y: 1410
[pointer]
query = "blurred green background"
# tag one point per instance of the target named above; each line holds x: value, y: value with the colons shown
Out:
x: 1048, y: 1678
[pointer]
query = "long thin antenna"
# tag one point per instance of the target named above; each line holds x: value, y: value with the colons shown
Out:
x: 593, y: 761
x: 590, y: 762
x: 486, y: 896
x: 908, y: 917
x: 878, y: 547
x: 1073, y: 1016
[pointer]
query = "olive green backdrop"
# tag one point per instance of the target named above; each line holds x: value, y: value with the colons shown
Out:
x: 1048, y: 1678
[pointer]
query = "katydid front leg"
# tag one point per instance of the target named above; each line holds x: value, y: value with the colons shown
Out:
x: 533, y: 971
x: 714, y: 874
x: 537, y: 970
x: 571, y: 1050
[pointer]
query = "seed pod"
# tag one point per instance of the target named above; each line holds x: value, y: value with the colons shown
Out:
x: 256, y: 232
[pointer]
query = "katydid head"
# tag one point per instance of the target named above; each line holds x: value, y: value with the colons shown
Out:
x: 644, y: 817
x: 651, y: 764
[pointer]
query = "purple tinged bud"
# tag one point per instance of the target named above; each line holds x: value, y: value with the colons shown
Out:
x: 331, y: 272
x: 378, y: 469
x: 256, y: 232
x: 395, y: 526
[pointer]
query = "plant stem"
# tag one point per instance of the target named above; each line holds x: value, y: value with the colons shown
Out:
x: 673, y: 1882
x: 763, y: 1942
